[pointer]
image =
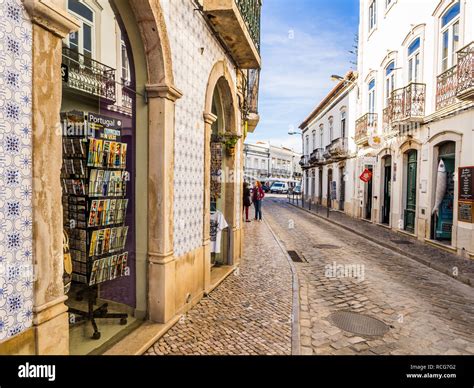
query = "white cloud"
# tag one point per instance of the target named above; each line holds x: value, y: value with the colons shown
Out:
x: 296, y: 71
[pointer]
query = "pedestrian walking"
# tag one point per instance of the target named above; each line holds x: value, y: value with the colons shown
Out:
x: 257, y: 198
x: 247, y: 201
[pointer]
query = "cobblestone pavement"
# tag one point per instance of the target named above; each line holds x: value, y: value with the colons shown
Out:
x: 248, y: 314
x: 428, y: 312
x: 441, y: 260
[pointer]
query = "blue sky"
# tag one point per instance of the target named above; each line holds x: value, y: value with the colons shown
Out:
x: 304, y: 42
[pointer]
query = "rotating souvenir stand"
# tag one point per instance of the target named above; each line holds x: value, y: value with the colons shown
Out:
x: 94, y: 180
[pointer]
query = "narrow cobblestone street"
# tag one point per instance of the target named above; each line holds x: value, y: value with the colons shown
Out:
x: 248, y: 314
x: 427, y: 312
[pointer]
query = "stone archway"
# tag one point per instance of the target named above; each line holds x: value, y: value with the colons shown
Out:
x: 51, y: 23
x: 219, y: 79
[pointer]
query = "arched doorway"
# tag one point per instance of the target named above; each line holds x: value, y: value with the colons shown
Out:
x: 387, y: 189
x: 320, y: 186
x: 222, y: 171
x: 342, y: 187
x: 329, y: 189
x: 222, y: 144
x: 108, y: 74
x: 410, y: 192
x: 443, y: 188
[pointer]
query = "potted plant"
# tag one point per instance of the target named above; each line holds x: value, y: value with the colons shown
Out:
x: 230, y: 143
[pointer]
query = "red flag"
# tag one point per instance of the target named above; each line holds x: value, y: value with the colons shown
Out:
x: 366, y: 176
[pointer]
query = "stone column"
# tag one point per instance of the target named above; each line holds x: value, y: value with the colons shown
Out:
x: 209, y: 119
x: 50, y: 24
x: 161, y: 267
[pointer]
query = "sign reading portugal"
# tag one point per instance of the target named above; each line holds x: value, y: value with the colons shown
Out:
x: 366, y: 176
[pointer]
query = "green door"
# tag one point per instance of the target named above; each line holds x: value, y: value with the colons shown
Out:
x: 387, y: 190
x: 410, y: 210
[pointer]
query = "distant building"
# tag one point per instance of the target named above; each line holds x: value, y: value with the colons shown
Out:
x: 268, y: 163
x: 329, y: 148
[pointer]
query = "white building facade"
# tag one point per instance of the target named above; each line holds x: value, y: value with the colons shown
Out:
x: 268, y: 163
x: 329, y: 150
x: 415, y: 119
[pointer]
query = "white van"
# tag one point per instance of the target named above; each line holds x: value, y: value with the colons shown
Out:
x: 279, y: 188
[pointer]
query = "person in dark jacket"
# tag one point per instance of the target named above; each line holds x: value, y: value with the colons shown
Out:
x: 247, y: 201
x: 258, y: 195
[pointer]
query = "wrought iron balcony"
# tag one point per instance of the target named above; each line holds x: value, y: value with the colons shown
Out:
x: 250, y: 101
x: 364, y: 126
x: 446, y: 89
x: 317, y: 156
x: 127, y: 97
x: 304, y: 162
x: 250, y: 11
x: 408, y: 103
x: 89, y: 77
x: 327, y: 153
x: 465, y: 87
x: 387, y: 119
x: 238, y: 24
x: 339, y: 148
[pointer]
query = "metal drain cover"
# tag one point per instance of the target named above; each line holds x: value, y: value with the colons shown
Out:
x: 326, y: 246
x: 402, y: 242
x: 358, y: 323
x: 296, y: 257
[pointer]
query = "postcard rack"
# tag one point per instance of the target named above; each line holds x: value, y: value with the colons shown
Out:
x: 94, y: 180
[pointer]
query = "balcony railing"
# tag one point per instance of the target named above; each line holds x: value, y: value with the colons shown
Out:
x: 89, y: 77
x: 304, y: 161
x: 446, y: 89
x: 387, y: 119
x: 237, y: 23
x: 338, y: 148
x: 253, y: 84
x: 250, y: 11
x: 127, y: 97
x: 465, y: 87
x: 408, y: 103
x: 366, y: 123
x: 317, y: 156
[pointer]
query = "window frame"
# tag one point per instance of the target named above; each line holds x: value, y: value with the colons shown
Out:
x: 390, y: 82
x: 331, y: 129
x: 80, y: 33
x: 372, y: 15
x: 448, y: 28
x: 343, y: 123
x: 414, y: 62
x: 372, y: 95
x: 321, y: 136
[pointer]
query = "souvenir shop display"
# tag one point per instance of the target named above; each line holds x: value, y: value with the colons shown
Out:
x: 216, y: 170
x: 94, y: 180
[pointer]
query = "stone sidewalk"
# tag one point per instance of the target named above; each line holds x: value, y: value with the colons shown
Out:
x: 250, y: 313
x: 457, y: 267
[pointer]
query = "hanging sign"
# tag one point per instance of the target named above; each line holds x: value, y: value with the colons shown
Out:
x: 64, y: 73
x: 366, y: 176
x: 466, y: 212
x: 466, y: 184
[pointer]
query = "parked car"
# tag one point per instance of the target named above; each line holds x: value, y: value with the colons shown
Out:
x: 279, y: 188
x: 266, y: 188
x: 297, y: 190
